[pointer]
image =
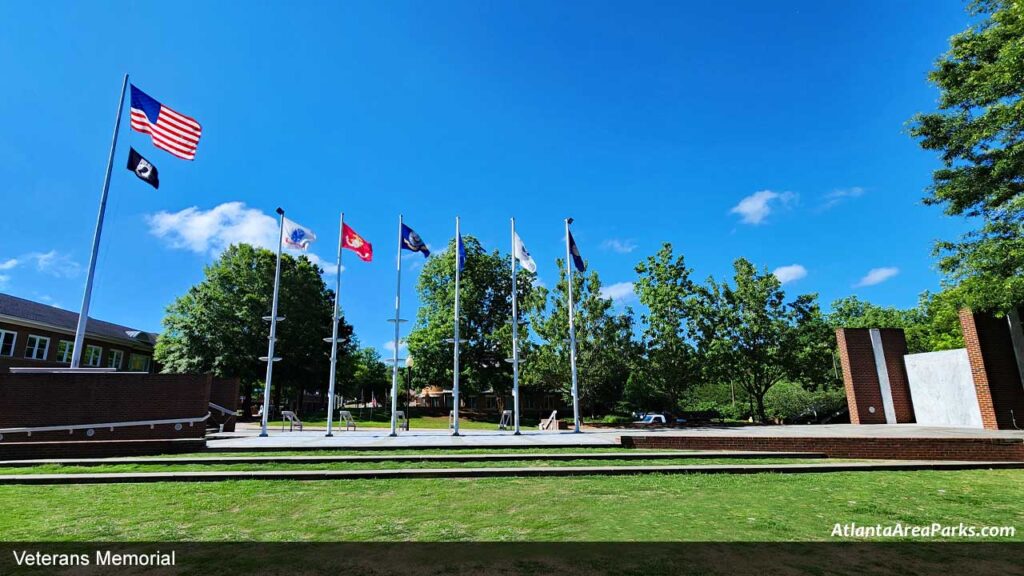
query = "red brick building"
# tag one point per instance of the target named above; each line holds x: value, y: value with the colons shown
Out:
x: 38, y: 335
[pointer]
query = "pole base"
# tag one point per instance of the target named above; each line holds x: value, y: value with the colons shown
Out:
x: 393, y: 435
x: 328, y: 435
x: 264, y: 434
x: 456, y: 433
x: 517, y: 433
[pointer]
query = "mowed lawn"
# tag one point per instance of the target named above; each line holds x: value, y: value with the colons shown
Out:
x: 799, y: 507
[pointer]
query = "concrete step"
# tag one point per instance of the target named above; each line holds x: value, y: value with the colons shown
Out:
x: 877, y: 466
x: 514, y: 456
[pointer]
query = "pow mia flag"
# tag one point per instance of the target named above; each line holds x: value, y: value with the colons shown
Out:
x: 143, y: 169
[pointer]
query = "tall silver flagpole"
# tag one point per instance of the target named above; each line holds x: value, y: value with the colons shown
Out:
x: 83, y: 316
x: 273, y: 329
x: 457, y: 343
x: 572, y: 333
x: 394, y: 364
x: 334, y: 329
x: 515, y: 335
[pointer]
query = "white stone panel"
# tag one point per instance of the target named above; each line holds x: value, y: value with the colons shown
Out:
x: 942, y: 389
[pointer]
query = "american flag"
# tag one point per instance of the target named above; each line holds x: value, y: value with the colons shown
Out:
x: 174, y: 132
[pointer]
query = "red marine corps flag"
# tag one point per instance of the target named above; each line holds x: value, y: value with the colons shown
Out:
x: 355, y: 243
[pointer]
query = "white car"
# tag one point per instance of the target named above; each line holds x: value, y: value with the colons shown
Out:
x: 651, y: 419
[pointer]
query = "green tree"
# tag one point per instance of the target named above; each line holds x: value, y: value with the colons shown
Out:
x: 750, y: 335
x: 218, y: 326
x: 605, y: 349
x: 934, y: 324
x: 979, y: 131
x: 371, y: 377
x: 486, y: 319
x: 671, y: 364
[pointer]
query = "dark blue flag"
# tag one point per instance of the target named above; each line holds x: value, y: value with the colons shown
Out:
x: 576, y: 258
x: 411, y: 241
x: 461, y: 253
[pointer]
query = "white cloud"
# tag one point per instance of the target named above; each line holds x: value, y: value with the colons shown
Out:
x: 53, y: 263
x: 787, y: 274
x: 45, y: 299
x: 755, y: 208
x: 212, y: 231
x: 4, y: 279
x: 403, y: 350
x: 877, y: 276
x: 619, y: 246
x: 620, y: 293
x: 837, y: 196
x: 56, y: 264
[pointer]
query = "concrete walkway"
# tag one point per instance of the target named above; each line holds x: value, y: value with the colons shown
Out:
x: 876, y: 466
x: 456, y: 457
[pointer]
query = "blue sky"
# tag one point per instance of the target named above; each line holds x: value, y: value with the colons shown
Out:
x: 774, y: 131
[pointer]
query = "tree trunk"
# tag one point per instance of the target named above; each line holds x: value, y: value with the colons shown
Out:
x: 247, y: 401
x: 759, y: 397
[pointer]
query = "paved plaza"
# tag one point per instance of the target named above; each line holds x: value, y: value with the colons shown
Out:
x: 247, y: 437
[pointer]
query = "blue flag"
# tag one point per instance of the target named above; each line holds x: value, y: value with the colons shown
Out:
x: 576, y: 258
x: 461, y: 253
x: 412, y: 242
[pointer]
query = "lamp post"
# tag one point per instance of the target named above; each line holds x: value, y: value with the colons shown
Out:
x: 408, y: 391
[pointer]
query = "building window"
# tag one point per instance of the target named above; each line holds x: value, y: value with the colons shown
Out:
x: 114, y: 359
x: 138, y: 363
x: 36, y: 347
x: 93, y: 355
x: 65, y: 350
x: 7, y: 340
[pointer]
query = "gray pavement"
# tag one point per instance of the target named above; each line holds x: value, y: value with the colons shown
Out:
x: 378, y: 438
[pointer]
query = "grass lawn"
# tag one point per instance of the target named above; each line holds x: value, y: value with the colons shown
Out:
x: 598, y: 508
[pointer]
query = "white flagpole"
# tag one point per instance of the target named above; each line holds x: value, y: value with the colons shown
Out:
x: 572, y: 332
x: 515, y: 335
x: 273, y: 329
x: 83, y: 316
x: 334, y: 329
x: 394, y: 364
x: 457, y: 343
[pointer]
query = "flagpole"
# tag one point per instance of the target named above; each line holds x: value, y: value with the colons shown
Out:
x: 273, y: 329
x: 334, y: 329
x: 457, y: 343
x: 515, y: 336
x: 394, y: 365
x: 83, y: 316
x: 572, y: 333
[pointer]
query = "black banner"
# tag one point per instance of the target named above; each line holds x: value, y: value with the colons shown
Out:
x: 540, y: 559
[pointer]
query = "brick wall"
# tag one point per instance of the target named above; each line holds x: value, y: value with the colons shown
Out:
x: 859, y: 376
x: 224, y: 392
x: 994, y: 369
x: 973, y: 449
x: 32, y: 400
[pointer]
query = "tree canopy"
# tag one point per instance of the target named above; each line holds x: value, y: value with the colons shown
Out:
x: 218, y: 326
x: 978, y: 130
x: 486, y: 319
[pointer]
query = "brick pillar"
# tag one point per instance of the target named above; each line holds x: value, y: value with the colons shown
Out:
x: 994, y: 370
x: 860, y: 375
x: 894, y: 345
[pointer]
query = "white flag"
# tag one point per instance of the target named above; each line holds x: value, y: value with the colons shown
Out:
x: 523, y: 255
x: 296, y: 236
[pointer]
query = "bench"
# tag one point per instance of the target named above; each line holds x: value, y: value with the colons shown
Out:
x: 293, y: 421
